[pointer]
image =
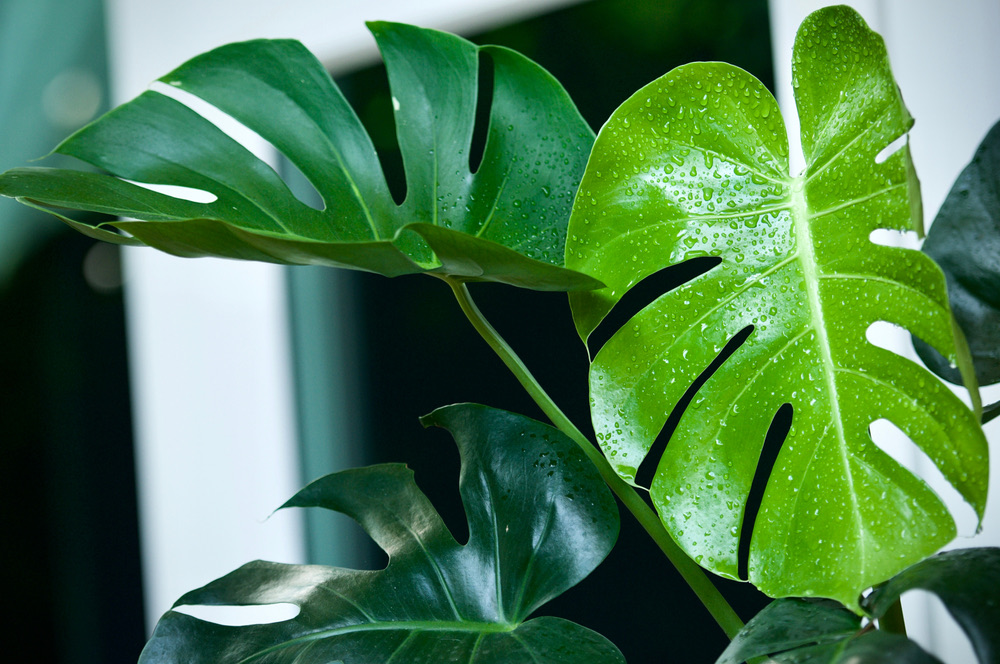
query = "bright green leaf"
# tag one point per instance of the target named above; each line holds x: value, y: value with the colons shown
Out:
x: 540, y: 520
x: 965, y: 242
x: 506, y: 222
x: 696, y: 165
x: 793, y: 631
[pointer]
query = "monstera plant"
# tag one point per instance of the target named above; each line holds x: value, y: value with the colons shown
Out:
x: 768, y: 326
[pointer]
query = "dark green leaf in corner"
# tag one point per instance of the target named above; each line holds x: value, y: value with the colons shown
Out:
x: 967, y: 581
x: 796, y: 631
x: 821, y: 632
x: 540, y: 520
x: 965, y: 242
x: 696, y: 165
x: 506, y: 222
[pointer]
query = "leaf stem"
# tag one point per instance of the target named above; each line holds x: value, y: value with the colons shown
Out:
x: 695, y: 577
x: 892, y: 619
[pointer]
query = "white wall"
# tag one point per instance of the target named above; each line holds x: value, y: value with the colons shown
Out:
x: 944, y: 57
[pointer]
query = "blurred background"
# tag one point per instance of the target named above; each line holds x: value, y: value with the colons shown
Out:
x: 154, y: 411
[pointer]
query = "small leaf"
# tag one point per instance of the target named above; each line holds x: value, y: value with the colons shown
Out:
x: 967, y: 582
x: 506, y: 222
x: 965, y: 242
x: 794, y: 631
x: 540, y: 520
x: 991, y: 411
x: 696, y: 165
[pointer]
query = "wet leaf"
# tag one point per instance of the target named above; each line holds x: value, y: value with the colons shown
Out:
x: 540, y: 520
x: 793, y: 631
x: 696, y: 165
x: 965, y: 242
x: 506, y: 222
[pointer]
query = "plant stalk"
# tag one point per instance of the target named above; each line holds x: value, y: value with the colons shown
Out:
x: 695, y: 577
x: 892, y: 620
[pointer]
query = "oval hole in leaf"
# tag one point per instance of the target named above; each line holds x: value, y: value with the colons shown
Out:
x: 894, y: 238
x: 891, y: 149
x: 302, y: 189
x: 891, y: 440
x: 644, y: 293
x: 484, y: 102
x: 238, y: 616
x: 889, y: 337
x: 368, y: 93
x: 176, y: 191
x: 781, y: 423
x: 647, y: 468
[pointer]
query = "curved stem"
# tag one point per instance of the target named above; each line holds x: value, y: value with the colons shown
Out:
x: 695, y: 577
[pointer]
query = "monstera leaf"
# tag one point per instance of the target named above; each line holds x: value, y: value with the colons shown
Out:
x: 795, y: 631
x: 965, y: 242
x: 695, y: 165
x: 540, y: 519
x: 505, y: 222
x: 810, y: 632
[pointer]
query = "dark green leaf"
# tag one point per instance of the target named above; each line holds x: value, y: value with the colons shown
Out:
x: 696, y: 165
x: 965, y: 242
x: 540, y: 520
x: 794, y: 631
x: 968, y: 583
x: 787, y: 624
x: 991, y: 411
x: 506, y: 222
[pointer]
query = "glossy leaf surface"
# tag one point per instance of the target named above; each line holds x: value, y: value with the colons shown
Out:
x: 965, y: 242
x: 967, y: 581
x: 696, y: 165
x: 793, y: 631
x: 505, y: 222
x: 540, y: 520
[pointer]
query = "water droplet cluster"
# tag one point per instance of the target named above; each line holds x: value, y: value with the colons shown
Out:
x: 694, y: 165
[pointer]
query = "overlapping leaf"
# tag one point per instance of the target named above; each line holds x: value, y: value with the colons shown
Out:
x: 540, y: 520
x: 505, y: 222
x: 696, y: 165
x: 795, y: 631
x: 803, y: 632
x: 965, y: 242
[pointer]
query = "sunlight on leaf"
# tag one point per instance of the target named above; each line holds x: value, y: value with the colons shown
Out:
x: 540, y: 520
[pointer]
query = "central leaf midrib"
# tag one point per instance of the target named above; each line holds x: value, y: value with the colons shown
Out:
x: 390, y: 625
x: 807, y: 259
